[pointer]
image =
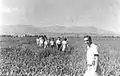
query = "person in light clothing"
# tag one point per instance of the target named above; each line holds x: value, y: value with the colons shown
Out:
x: 64, y: 44
x: 46, y: 43
x: 58, y: 43
x: 41, y: 41
x: 37, y: 40
x: 92, y: 57
x: 52, y: 43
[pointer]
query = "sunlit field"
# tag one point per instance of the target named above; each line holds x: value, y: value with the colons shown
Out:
x: 20, y: 56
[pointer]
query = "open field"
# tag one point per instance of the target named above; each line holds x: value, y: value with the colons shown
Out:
x: 22, y: 57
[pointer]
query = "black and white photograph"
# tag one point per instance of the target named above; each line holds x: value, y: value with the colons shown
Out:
x: 59, y: 37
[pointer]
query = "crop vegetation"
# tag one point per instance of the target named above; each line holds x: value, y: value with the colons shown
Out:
x: 22, y: 57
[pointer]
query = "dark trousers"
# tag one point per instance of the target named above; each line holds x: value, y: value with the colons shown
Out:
x: 59, y: 45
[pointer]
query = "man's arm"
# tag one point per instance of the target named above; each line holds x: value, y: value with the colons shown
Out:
x: 96, y: 57
x: 56, y: 44
x: 95, y: 62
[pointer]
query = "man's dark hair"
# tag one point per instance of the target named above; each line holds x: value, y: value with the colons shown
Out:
x: 65, y: 39
x: 89, y: 37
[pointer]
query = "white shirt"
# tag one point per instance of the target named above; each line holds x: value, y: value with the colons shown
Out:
x: 52, y: 42
x: 64, y: 45
x: 93, y: 49
x: 41, y: 40
x: 64, y: 42
x: 37, y: 40
x: 46, y: 42
x: 58, y: 42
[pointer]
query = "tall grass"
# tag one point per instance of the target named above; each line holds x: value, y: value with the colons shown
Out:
x: 25, y: 58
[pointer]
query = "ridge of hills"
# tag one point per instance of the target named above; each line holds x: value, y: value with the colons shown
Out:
x: 30, y: 29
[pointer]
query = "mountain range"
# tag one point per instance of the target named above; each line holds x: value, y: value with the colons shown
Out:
x: 30, y: 29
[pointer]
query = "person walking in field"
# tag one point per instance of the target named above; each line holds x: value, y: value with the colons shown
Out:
x: 52, y: 43
x: 46, y: 43
x: 92, y: 57
x: 41, y: 41
x: 58, y: 43
x: 37, y: 40
x: 64, y: 45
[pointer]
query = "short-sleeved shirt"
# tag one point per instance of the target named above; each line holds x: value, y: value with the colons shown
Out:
x: 93, y: 49
x: 37, y: 40
x: 46, y: 42
x: 41, y: 40
x: 51, y: 42
x: 58, y: 42
x: 64, y: 42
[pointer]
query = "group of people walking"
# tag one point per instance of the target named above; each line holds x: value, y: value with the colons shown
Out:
x: 60, y: 43
x: 92, y: 54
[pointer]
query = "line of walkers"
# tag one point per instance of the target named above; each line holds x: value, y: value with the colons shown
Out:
x: 60, y: 43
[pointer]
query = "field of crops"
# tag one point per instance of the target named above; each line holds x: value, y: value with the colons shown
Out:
x: 22, y: 57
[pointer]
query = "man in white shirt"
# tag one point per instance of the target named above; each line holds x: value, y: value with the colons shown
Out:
x: 52, y: 43
x: 41, y: 41
x: 92, y: 57
x: 64, y: 45
x: 37, y: 40
x: 58, y: 43
x: 46, y: 43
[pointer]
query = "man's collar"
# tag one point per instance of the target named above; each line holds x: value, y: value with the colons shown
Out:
x: 90, y: 46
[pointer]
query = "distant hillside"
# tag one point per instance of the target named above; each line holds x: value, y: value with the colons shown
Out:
x: 57, y: 29
x: 81, y: 30
x: 29, y: 29
x: 20, y: 29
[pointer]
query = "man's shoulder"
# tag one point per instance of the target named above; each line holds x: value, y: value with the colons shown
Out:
x: 94, y: 46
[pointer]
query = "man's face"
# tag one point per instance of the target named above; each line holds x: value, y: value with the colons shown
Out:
x: 58, y: 38
x: 86, y: 41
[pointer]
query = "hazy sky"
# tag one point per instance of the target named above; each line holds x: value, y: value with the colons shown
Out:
x: 100, y: 13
